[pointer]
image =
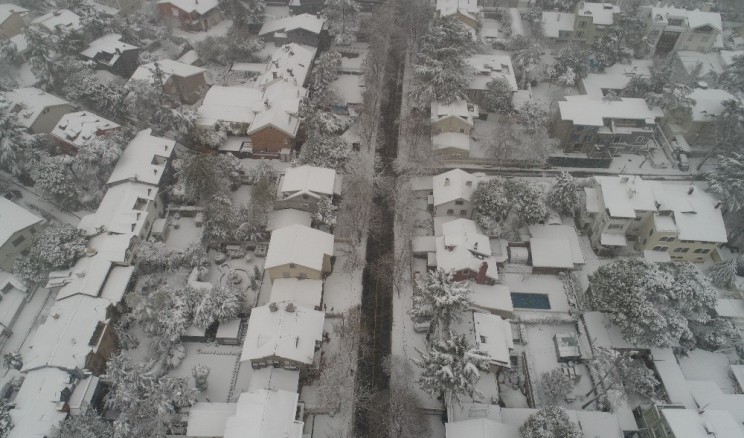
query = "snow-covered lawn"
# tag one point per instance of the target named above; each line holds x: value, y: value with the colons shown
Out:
x: 242, y: 266
x: 342, y: 290
x: 182, y: 232
x: 223, y: 362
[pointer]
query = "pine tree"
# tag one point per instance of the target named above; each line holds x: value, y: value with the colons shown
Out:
x: 527, y: 63
x: 490, y: 200
x: 325, y: 71
x: 219, y: 304
x: 732, y: 78
x: 570, y: 66
x: 16, y: 144
x: 452, y: 367
x: 343, y: 19
x: 550, y: 422
x: 498, y: 96
x: 325, y: 213
x: 323, y: 150
x: 563, y: 195
x: 556, y: 384
x: 53, y: 179
x: 86, y: 425
x: 723, y: 273
x: 528, y: 203
x: 440, y: 299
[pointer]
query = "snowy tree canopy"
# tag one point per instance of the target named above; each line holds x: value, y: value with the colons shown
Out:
x: 56, y: 247
x: 164, y: 313
x: 325, y: 71
x: 6, y: 421
x: 498, y: 96
x: 570, y: 66
x: 225, y: 50
x: 17, y: 146
x: 202, y: 177
x: 495, y: 198
x: 451, y: 366
x: 727, y: 181
x: 533, y: 115
x: 219, y: 304
x: 653, y: 304
x: 324, y: 150
x: 732, y: 77
x: 156, y: 256
x: 439, y: 299
x: 528, y: 202
x: 242, y: 12
x: 556, y: 384
x: 723, y: 273
x: 490, y: 200
x: 263, y: 170
x: 152, y: 107
x: 550, y: 422
x: 620, y: 370
x: 343, y: 19
x: 325, y: 213
x: 527, y: 64
x: 563, y: 195
x: 54, y: 181
x: 86, y: 425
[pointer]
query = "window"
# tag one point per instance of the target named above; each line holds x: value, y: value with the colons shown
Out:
x: 450, y: 212
x: 18, y: 240
x: 651, y: 231
x: 482, y: 339
x: 174, y: 11
x: 640, y: 139
x: 582, y: 24
x: 667, y: 239
x: 579, y: 34
x: 285, y: 274
x: 462, y: 131
x: 682, y: 250
x: 32, y: 230
x: 302, y: 276
x: 463, y: 212
x: 661, y: 248
x: 459, y: 202
x: 292, y: 266
x: 615, y: 227
x: 702, y: 251
x: 675, y: 21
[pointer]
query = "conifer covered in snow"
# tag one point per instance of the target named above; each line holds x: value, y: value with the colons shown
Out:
x: 56, y: 247
x: 528, y: 202
x: 225, y: 50
x: 556, y: 384
x: 732, y: 77
x: 219, y: 304
x: 727, y: 181
x: 723, y: 273
x: 527, y: 64
x: 498, y: 96
x: 86, y: 425
x: 343, y: 19
x: 550, y: 422
x: 164, y: 313
x: 450, y: 367
x: 325, y: 213
x: 570, y: 66
x: 563, y: 195
x: 325, y: 71
x: 6, y: 421
x: 263, y: 170
x: 17, y: 146
x: 54, y: 181
x: 490, y: 200
x: 439, y: 299
x: 533, y: 115
x: 325, y: 150
x: 202, y: 177
x: 653, y: 304
x: 620, y: 370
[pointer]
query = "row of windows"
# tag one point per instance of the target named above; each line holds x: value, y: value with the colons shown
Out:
x: 682, y: 250
x: 451, y: 212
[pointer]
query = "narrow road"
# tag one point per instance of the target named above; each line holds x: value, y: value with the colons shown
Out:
x: 38, y: 205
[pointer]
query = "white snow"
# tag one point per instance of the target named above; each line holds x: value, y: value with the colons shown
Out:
x: 463, y: 248
x: 450, y: 7
x: 446, y: 140
x: 192, y: 6
x: 603, y: 333
x: 286, y: 217
x: 229, y: 104
x: 169, y: 67
x: 64, y: 18
x: 480, y: 428
x: 708, y: 103
x: 14, y: 218
x: 489, y: 333
x: 37, y: 402
x: 275, y: 378
x: 489, y: 67
x: 143, y: 160
x: 453, y: 185
x: 707, y: 63
x: 308, y: 22
x: 77, y: 128
x: 8, y: 9
x: 689, y: 423
x: 291, y: 62
x: 493, y: 298
x: 318, y: 180
x: 306, y: 293
x: 266, y: 414
x: 552, y: 241
x: 615, y: 77
x: 589, y: 111
x: 555, y: 22
x: 299, y: 245
x: 122, y: 210
x: 110, y: 45
x: 694, y: 19
x: 29, y: 103
x: 207, y: 419
x: 601, y: 13
x: 349, y: 89
x: 276, y: 118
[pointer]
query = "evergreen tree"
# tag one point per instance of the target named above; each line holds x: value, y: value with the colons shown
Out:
x: 527, y: 64
x: 615, y: 370
x: 723, y: 273
x: 556, y: 384
x: 440, y: 299
x: 17, y: 146
x: 325, y: 213
x: 550, y: 422
x: 324, y: 150
x: 732, y: 77
x: 201, y: 178
x: 6, y: 421
x: 56, y: 247
x: 219, y: 304
x: 53, y: 179
x: 498, y: 96
x: 570, y: 66
x: 343, y: 18
x: 527, y: 200
x: 563, y: 195
x: 86, y: 425
x: 490, y: 200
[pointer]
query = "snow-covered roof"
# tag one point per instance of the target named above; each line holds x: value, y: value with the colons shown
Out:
x: 230, y: 104
x: 692, y: 19
x: 615, y: 77
x: 708, y: 395
x: 113, y: 247
x: 64, y: 339
x: 285, y: 95
x: 462, y: 246
x: 305, y: 292
x: 169, y: 67
x: 289, y: 332
x: 730, y: 308
x: 555, y: 22
x: 14, y: 218
x: 8, y: 9
x: 494, y: 298
x: 266, y: 414
x: 452, y: 185
x: 737, y: 371
x: 674, y: 382
x: 29, y: 103
x: 710, y: 62
x: 291, y: 62
x: 37, y: 403
x: 122, y: 210
x: 110, y: 45
x: 288, y: 216
x: 276, y: 118
x: 654, y: 256
x: 63, y: 18
x: 449, y: 139
x: 319, y: 180
x: 300, y: 245
x: 14, y: 298
x: 480, y: 428
x: 20, y: 41
x: 489, y: 67
x: 461, y: 109
x: 77, y: 128
x: 87, y: 277
x: 275, y: 378
x: 191, y: 6
x: 450, y: 7
x: 727, y: 56
x: 308, y: 22
x: 564, y: 236
x: 624, y: 195
x: 590, y: 111
x: 349, y: 89
x: 708, y: 103
x: 493, y: 336
x: 143, y: 160
x: 207, y: 419
x: 189, y: 58
x: 691, y: 423
x: 603, y: 333
x: 601, y: 13
x: 592, y: 199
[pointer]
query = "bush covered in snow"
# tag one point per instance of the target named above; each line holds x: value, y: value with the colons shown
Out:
x: 550, y: 422
x: 56, y: 247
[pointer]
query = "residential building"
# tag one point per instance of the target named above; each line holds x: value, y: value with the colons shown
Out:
x: 61, y: 20
x: 455, y: 117
x: 146, y: 159
x: 12, y: 19
x: 659, y: 421
x: 35, y: 109
x: 464, y: 11
x: 299, y: 252
x: 488, y: 68
x: 614, y: 79
x: 451, y: 145
x: 208, y: 419
x: 235, y: 106
x: 699, y: 129
x: 466, y: 253
x: 110, y: 53
x: 297, y: 7
x: 451, y: 192
x: 302, y: 187
x: 588, y: 22
x: 183, y: 82
x: 492, y: 298
x: 304, y: 293
x: 286, y: 217
x: 705, y: 66
x: 191, y: 15
x: 76, y: 129
x: 591, y: 125
x: 349, y: 94
x: 290, y: 62
x: 680, y: 219
x: 17, y: 228
x: 301, y: 29
x: 490, y: 334
x: 283, y: 335
x: 273, y: 132
x: 266, y: 413
x: 554, y: 248
x: 14, y: 294
x: 126, y: 208
x: 670, y: 29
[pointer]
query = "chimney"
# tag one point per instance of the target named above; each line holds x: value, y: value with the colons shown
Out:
x: 718, y: 204
x: 290, y: 307
x: 274, y: 73
x: 469, y: 183
x: 273, y: 307
x: 446, y: 182
x: 481, y: 278
x: 475, y: 246
x: 690, y: 190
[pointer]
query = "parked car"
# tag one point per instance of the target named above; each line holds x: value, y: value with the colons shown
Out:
x: 684, y: 164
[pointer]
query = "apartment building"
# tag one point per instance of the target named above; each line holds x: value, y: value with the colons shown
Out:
x: 670, y: 29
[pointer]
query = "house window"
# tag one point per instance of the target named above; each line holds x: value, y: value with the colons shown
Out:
x: 174, y: 12
x: 682, y: 250
x: 579, y: 34
x: 651, y: 231
x: 640, y: 139
x: 450, y: 212
x: 675, y: 22
x: 302, y: 276
x: 702, y: 251
x: 582, y: 24
x: 463, y: 212
x: 285, y: 274
x: 18, y: 240
x: 462, y: 131
x: 482, y: 339
x: 661, y: 248
x: 292, y: 266
x: 667, y: 239
x: 32, y: 230
x: 615, y: 227
x: 654, y: 32
x: 460, y: 202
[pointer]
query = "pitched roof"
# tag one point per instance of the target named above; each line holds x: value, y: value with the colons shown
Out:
x: 489, y: 67
x: 549, y: 244
x: 462, y: 246
x: 200, y: 7
x: 452, y: 185
x: 140, y: 159
x: 291, y: 62
x: 480, y: 428
x: 77, y: 128
x: 110, y: 44
x: 300, y: 245
x: 693, y: 19
x: 306, y: 178
x: 120, y: 210
x: 489, y: 333
x: 14, y: 218
x: 468, y: 8
x: 615, y: 77
x: 691, y: 423
x: 229, y: 104
x: 8, y: 9
x: 305, y: 292
x: 555, y: 22
x: 708, y: 103
x: 168, y: 67
x: 450, y: 139
x: 288, y: 332
x: 63, y: 18
x: 286, y: 217
x: 591, y: 111
x: 266, y: 414
x: 461, y: 109
x: 308, y: 22
x: 29, y: 103
x: 208, y: 419
x: 601, y: 13
x: 36, y: 410
x: 277, y: 118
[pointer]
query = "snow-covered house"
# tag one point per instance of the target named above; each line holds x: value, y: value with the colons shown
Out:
x: 283, y: 335
x: 266, y: 413
x: 128, y: 208
x: 12, y: 19
x: 349, y: 94
x: 302, y: 187
x: 17, y: 229
x: 286, y: 217
x: 235, y: 106
x: 602, y: 333
x: 63, y: 20
x: 454, y: 117
x: 466, y: 253
x: 680, y: 219
x: 273, y: 132
x: 614, y: 78
x: 291, y: 62
x: 146, y: 160
x: 451, y: 193
x: 96, y: 276
x: 14, y: 296
x: 592, y: 125
x: 451, y: 145
x: 669, y: 29
x: 300, y: 252
x: 181, y: 81
x: 699, y: 129
x: 674, y: 422
x: 464, y: 11
x: 208, y: 419
x: 41, y: 402
x: 75, y: 129
x: 588, y: 22
x: 75, y: 336
x: 490, y: 334
x: 487, y: 68
x: 554, y: 248
x: 191, y: 15
x: 35, y: 109
x: 492, y: 298
x: 305, y: 293
x: 112, y: 54
x: 301, y: 29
